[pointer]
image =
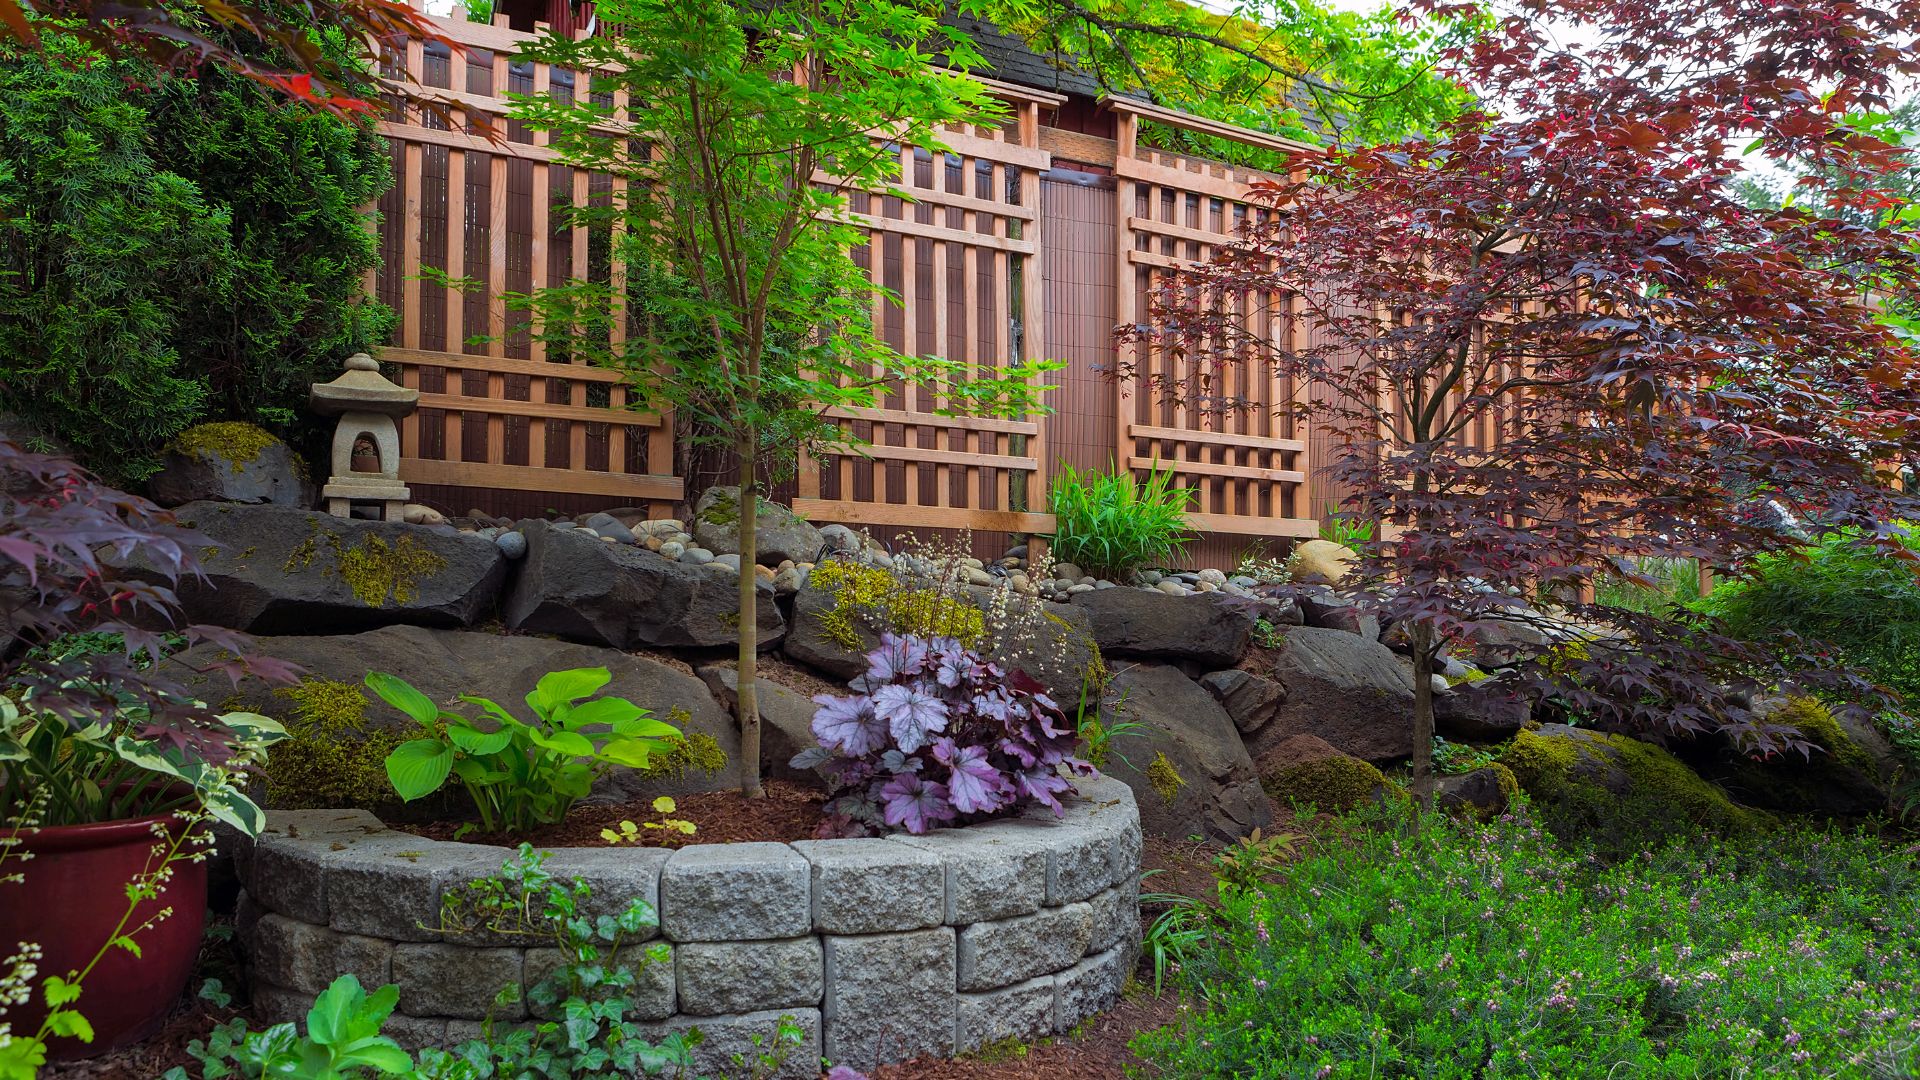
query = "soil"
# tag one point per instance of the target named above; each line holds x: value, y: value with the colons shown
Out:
x: 789, y: 812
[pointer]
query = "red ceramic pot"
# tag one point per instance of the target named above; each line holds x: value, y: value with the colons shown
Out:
x: 72, y: 899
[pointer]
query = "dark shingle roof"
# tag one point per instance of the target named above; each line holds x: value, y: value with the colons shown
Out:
x: 1010, y: 59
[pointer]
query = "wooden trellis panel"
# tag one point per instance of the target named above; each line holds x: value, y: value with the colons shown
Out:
x: 963, y: 262
x: 481, y: 199
x: 1235, y: 442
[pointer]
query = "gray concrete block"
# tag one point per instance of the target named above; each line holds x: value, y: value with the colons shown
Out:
x: 1021, y: 1011
x: 457, y: 982
x: 1116, y: 917
x: 736, y: 892
x: 651, y: 996
x: 1093, y: 985
x: 722, y: 977
x: 890, y: 997
x: 990, y: 875
x: 279, y: 1005
x: 748, y: 1038
x: 391, y: 886
x: 301, y: 956
x: 871, y: 886
x: 996, y: 954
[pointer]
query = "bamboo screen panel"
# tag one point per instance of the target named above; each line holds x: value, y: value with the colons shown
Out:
x: 961, y: 261
x: 1235, y: 443
x: 496, y: 411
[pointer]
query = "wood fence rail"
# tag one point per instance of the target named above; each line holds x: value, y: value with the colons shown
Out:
x: 975, y: 264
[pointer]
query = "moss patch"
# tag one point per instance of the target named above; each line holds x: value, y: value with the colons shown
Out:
x: 240, y: 443
x: 1166, y: 779
x: 1617, y: 791
x: 1333, y: 784
x: 1839, y: 776
x: 330, y: 758
x: 378, y: 572
x: 686, y: 752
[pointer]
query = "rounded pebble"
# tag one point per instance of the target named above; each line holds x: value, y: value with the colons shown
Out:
x: 511, y: 544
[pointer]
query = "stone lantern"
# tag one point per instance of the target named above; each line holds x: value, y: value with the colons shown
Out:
x: 366, y: 441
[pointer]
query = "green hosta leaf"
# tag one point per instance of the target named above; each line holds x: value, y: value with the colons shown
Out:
x: 492, y: 708
x: 646, y: 727
x: 254, y: 728
x: 418, y: 767
x: 557, y: 688
x: 475, y: 771
x: 570, y: 743
x: 231, y: 806
x: 400, y: 694
x: 611, y: 711
x: 633, y: 753
x: 475, y: 741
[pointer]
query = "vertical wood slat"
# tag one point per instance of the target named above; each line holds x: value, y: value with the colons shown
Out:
x: 477, y: 407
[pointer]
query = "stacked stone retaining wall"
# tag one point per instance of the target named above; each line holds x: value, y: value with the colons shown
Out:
x: 878, y: 949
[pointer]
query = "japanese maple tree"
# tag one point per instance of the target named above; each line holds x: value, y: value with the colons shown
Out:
x: 1551, y: 338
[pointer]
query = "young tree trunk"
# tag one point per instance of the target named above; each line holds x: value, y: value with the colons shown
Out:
x: 747, y: 707
x: 1423, y: 653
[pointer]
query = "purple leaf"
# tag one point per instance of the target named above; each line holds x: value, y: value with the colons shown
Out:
x: 1043, y: 786
x: 975, y: 787
x: 896, y: 656
x: 848, y: 725
x: 916, y: 805
x: 910, y: 714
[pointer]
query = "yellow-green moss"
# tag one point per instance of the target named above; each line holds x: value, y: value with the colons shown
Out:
x: 378, y: 572
x: 1838, y: 773
x: 329, y: 759
x: 1166, y: 779
x: 871, y: 594
x: 1662, y: 795
x: 240, y: 443
x: 1333, y: 784
x: 686, y: 752
x: 724, y: 510
x: 1503, y: 779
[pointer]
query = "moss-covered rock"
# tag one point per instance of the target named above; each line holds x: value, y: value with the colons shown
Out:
x: 330, y: 758
x: 1483, y: 793
x: 1839, y: 775
x: 1618, y: 791
x: 1306, y: 770
x: 230, y: 462
x: 779, y: 533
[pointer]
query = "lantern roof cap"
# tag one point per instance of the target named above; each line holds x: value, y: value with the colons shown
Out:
x: 361, y: 388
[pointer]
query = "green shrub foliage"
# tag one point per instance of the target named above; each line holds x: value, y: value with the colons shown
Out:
x: 172, y: 249
x: 1464, y: 951
x: 1111, y: 524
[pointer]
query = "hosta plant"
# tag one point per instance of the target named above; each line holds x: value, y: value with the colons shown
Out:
x: 932, y: 736
x: 522, y: 774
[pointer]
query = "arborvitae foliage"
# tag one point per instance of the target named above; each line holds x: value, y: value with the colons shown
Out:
x: 172, y: 249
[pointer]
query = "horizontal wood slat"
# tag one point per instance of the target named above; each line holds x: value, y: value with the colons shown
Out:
x: 926, y: 517
x: 638, y: 487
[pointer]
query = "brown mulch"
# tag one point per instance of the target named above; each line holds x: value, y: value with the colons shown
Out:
x: 789, y: 812
x: 191, y: 1019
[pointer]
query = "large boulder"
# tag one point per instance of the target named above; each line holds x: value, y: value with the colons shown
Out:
x: 832, y: 631
x: 1483, y: 793
x: 1184, y: 760
x: 444, y: 664
x: 1321, y: 562
x: 786, y: 720
x: 280, y: 570
x: 574, y: 585
x: 1250, y: 699
x: 1322, y: 606
x: 1847, y: 771
x: 1153, y: 625
x: 1305, y: 770
x: 778, y: 533
x: 230, y: 462
x: 1472, y: 713
x: 1350, y: 691
x: 1617, y: 791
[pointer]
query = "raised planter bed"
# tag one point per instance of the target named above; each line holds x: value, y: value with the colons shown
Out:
x: 880, y: 949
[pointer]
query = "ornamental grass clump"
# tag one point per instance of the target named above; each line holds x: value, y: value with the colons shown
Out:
x: 933, y: 736
x: 1110, y: 525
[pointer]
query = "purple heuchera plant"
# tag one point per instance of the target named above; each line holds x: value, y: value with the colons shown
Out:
x: 934, y: 735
